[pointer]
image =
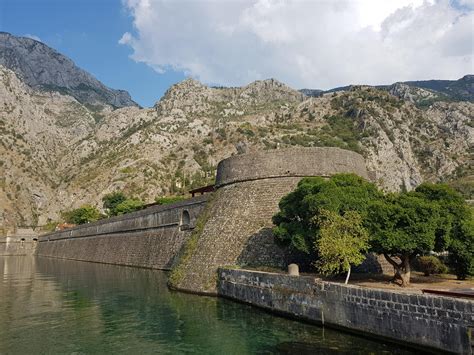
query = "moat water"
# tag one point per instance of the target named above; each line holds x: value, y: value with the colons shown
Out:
x: 50, y: 306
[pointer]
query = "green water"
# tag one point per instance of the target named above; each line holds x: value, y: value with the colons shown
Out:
x: 50, y: 306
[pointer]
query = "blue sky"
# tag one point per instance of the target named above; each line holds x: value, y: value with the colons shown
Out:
x: 145, y: 46
x: 88, y: 32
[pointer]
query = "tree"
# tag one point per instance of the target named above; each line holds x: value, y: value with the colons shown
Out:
x: 81, y: 215
x: 127, y: 206
x: 402, y: 226
x: 342, y: 242
x: 295, y: 224
x: 455, y: 231
x: 112, y: 200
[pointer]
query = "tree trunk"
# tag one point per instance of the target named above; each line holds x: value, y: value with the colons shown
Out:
x: 402, y: 269
x: 348, y: 275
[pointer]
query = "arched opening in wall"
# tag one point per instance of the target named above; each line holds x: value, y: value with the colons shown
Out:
x: 185, y: 220
x: 35, y: 239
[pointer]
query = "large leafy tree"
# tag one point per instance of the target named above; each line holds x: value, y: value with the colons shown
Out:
x: 296, y: 222
x: 455, y: 230
x: 342, y: 242
x: 402, y: 226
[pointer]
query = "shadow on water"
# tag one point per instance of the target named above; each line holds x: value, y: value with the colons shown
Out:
x: 57, y: 306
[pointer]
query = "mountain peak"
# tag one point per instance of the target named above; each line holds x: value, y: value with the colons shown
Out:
x: 42, y: 67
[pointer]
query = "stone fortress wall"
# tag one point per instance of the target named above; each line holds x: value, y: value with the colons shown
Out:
x: 249, y: 188
x: 423, y: 320
x: 149, y: 238
x: 22, y: 241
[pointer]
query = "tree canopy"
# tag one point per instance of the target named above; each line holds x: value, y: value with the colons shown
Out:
x: 117, y: 203
x: 112, y: 200
x: 127, y: 206
x: 81, y: 215
x: 342, y: 242
x: 299, y: 209
x: 400, y: 225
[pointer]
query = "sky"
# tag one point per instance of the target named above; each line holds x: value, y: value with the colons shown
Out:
x: 144, y: 46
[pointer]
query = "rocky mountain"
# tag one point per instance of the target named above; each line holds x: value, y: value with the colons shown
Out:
x: 43, y: 68
x: 458, y: 90
x: 420, y: 92
x: 57, y: 153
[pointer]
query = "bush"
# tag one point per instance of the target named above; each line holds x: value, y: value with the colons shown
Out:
x: 430, y: 265
x: 112, y: 200
x: 129, y: 205
x: 84, y: 214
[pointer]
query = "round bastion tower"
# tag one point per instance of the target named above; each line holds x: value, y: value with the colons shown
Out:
x: 237, y: 222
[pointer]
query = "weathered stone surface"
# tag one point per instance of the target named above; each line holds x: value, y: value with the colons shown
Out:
x: 293, y: 270
x: 292, y: 162
x: 423, y: 320
x: 149, y: 238
x: 250, y: 188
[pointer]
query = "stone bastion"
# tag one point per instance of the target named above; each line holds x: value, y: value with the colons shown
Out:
x: 292, y: 162
x: 236, y: 225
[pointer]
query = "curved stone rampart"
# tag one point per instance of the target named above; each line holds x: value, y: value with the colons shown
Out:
x: 292, y: 162
x: 239, y: 224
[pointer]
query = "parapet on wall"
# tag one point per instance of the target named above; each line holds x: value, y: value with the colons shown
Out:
x: 148, y: 238
x: 250, y: 186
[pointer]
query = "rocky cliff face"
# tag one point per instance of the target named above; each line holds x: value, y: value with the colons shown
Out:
x: 42, y: 67
x: 56, y: 153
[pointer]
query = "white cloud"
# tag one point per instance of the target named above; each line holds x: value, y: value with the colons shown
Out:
x: 312, y: 43
x: 36, y: 38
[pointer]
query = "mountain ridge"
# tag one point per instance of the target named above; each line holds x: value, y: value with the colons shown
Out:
x: 42, y: 67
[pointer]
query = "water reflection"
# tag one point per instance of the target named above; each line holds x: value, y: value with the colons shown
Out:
x: 57, y: 306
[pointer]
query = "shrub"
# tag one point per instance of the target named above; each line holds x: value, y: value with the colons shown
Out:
x: 129, y: 205
x: 169, y: 199
x: 81, y: 215
x: 112, y: 200
x: 430, y: 265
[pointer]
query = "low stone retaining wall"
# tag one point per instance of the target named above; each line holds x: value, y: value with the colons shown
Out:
x: 150, y: 238
x: 442, y: 323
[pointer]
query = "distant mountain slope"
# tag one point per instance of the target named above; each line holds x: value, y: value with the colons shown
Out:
x: 459, y: 90
x: 42, y: 67
x: 437, y: 90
